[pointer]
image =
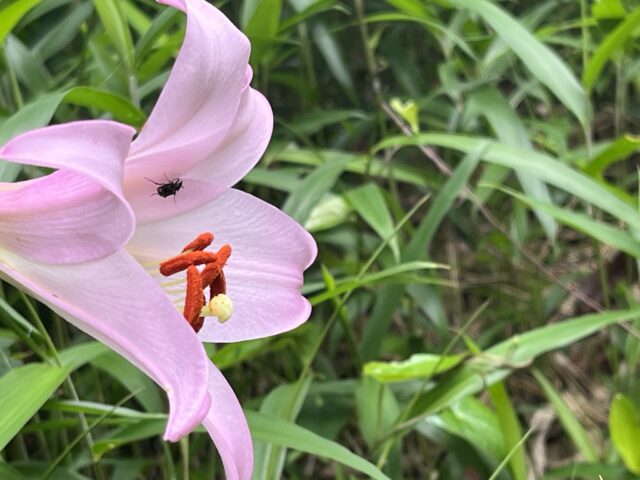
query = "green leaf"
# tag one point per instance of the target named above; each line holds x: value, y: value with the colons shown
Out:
x: 419, y: 365
x: 117, y: 28
x: 568, y: 420
x: 351, y: 283
x: 613, y: 42
x: 377, y: 409
x: 329, y: 212
x: 312, y: 189
x: 121, y: 108
x: 497, y: 362
x: 131, y: 378
x: 532, y: 163
x: 614, y: 236
x: 542, y: 62
x: 620, y: 149
x: 268, y: 428
x: 24, y: 390
x: 511, y: 431
x: 473, y: 421
x: 368, y: 200
x: 262, y: 28
x: 283, y: 402
x: 11, y: 12
x: 34, y: 115
x: 624, y: 424
x: 510, y: 130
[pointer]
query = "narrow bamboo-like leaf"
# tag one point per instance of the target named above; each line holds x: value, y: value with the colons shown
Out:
x: 510, y: 130
x: 473, y: 421
x: 117, y: 28
x: 497, y: 362
x: 421, y: 240
x: 131, y: 378
x: 542, y: 62
x: 368, y: 200
x: 624, y: 425
x: 275, y: 430
x: 377, y: 409
x: 613, y: 236
x: 511, y: 431
x: 569, y: 421
x: 621, y: 149
x: 76, y: 356
x: 613, y: 42
x: 11, y: 12
x: 419, y: 365
x: 24, y: 390
x: 34, y: 115
x: 283, y: 402
x: 344, y: 285
x: 532, y: 163
x: 121, y: 108
x: 312, y: 188
x: 262, y: 28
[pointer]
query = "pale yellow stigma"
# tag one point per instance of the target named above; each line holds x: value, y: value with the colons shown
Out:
x: 220, y: 306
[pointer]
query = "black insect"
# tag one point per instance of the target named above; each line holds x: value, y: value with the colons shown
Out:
x: 167, y: 189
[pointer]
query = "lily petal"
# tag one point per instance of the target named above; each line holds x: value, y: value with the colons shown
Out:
x: 264, y: 273
x: 199, y: 101
x: 228, y: 428
x: 115, y: 300
x: 224, y: 166
x: 79, y: 221
x: 77, y: 213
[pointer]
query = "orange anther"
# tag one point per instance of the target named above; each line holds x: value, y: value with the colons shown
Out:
x: 201, y: 242
x: 211, y: 275
x: 218, y: 286
x: 194, y: 300
x: 184, y: 260
x: 212, y: 270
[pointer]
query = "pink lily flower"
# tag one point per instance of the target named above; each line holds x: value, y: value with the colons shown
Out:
x: 207, y: 130
x: 62, y: 238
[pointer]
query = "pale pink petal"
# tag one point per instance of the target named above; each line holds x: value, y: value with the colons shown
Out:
x: 94, y: 148
x: 114, y: 300
x: 228, y: 428
x: 63, y: 218
x: 224, y: 166
x: 78, y: 213
x: 243, y: 146
x: 200, y: 100
x: 264, y: 273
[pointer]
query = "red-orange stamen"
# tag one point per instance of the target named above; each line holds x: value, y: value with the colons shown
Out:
x: 211, y: 276
x: 212, y: 270
x: 201, y: 242
x: 184, y: 260
x: 194, y: 300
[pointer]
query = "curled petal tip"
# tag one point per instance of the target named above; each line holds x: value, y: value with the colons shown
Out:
x: 182, y: 423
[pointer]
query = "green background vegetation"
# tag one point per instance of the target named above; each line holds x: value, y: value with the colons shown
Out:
x: 469, y: 170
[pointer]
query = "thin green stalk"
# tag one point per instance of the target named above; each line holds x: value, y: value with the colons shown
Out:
x: 506, y: 459
x: 184, y: 453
